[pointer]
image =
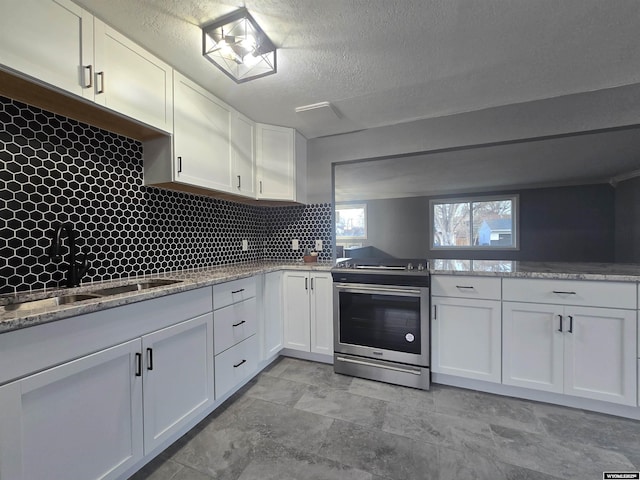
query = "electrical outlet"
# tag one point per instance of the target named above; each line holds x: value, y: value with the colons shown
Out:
x: 318, y: 245
x: 245, y: 245
x: 295, y: 244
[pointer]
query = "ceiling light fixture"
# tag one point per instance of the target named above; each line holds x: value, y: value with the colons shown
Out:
x: 238, y: 46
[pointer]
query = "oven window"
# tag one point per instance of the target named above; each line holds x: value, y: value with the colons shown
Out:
x: 380, y: 321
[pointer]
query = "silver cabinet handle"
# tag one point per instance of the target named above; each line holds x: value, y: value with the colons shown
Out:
x: 101, y: 75
x: 90, y: 83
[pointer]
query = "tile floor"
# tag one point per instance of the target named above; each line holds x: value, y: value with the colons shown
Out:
x: 298, y: 420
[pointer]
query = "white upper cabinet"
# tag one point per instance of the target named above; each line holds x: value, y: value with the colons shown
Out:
x: 243, y: 147
x: 202, y: 151
x: 51, y: 41
x: 60, y: 44
x: 281, y: 161
x: 130, y: 80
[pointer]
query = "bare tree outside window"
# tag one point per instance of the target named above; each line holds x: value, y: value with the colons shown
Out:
x: 482, y: 223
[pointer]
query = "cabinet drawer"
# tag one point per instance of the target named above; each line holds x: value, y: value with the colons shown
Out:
x: 465, y: 287
x: 231, y: 292
x: 235, y: 364
x: 234, y: 323
x: 570, y: 292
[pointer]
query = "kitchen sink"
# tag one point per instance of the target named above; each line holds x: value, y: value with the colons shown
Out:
x: 134, y: 287
x: 48, y: 302
x: 60, y: 300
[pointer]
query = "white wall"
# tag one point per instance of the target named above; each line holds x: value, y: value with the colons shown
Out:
x: 582, y: 112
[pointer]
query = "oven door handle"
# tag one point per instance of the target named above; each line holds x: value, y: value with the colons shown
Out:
x: 350, y: 288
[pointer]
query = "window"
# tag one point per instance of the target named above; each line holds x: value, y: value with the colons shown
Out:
x: 475, y: 223
x: 351, y: 222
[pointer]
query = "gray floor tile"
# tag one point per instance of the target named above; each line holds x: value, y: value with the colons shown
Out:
x: 312, y: 373
x: 380, y: 453
x: 343, y: 405
x: 564, y: 459
x: 611, y: 433
x: 278, y: 366
x: 221, y: 449
x: 277, y: 462
x: 494, y: 409
x: 393, y: 393
x: 429, y: 426
x: 277, y: 390
x: 294, y: 428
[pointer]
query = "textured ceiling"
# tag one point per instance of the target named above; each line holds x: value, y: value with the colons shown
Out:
x: 580, y: 159
x: 382, y: 62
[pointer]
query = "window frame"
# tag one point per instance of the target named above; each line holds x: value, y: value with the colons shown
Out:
x: 470, y: 199
x: 350, y: 206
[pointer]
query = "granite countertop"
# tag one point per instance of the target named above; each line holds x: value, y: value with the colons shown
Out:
x: 188, y: 280
x: 619, y: 272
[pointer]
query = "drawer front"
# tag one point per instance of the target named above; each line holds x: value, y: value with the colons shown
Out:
x: 570, y: 292
x: 236, y: 364
x: 465, y: 287
x: 231, y: 292
x: 234, y: 323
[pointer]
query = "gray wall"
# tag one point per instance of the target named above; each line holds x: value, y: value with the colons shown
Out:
x: 556, y: 224
x: 568, y: 114
x: 627, y: 221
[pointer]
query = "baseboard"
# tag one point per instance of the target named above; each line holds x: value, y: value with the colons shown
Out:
x: 538, y: 396
x: 314, y: 357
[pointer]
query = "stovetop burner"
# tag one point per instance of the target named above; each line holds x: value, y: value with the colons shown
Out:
x: 396, y: 271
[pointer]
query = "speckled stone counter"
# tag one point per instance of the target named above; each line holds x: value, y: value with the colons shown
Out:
x: 188, y: 280
x: 618, y: 272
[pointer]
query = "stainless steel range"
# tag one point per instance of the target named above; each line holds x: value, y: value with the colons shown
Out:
x: 381, y: 320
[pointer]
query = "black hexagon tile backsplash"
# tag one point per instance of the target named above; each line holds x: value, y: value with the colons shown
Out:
x: 55, y: 169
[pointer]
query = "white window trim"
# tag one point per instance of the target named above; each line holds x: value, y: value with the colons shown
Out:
x: 515, y: 217
x: 353, y: 206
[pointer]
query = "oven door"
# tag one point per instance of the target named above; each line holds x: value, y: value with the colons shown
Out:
x: 383, y: 322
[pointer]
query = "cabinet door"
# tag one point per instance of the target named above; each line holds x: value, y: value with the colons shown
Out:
x: 131, y: 81
x: 297, y: 333
x: 275, y: 162
x: 201, y: 137
x: 78, y: 421
x: 51, y: 41
x: 178, y: 377
x: 243, y: 147
x: 532, y: 346
x: 272, y: 311
x: 600, y: 354
x: 321, y: 286
x: 466, y: 338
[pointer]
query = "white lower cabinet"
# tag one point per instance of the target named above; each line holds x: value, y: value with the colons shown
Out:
x: 308, y: 311
x: 78, y: 421
x: 236, y: 364
x: 177, y: 377
x: 85, y: 419
x: 466, y: 338
x: 582, y: 351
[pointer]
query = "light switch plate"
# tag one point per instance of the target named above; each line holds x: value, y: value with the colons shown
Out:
x: 318, y: 245
x: 245, y: 245
x: 295, y: 244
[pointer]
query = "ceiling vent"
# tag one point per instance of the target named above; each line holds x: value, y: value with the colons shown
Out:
x: 318, y: 113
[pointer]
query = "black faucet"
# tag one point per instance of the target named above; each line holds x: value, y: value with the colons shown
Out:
x: 75, y: 269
